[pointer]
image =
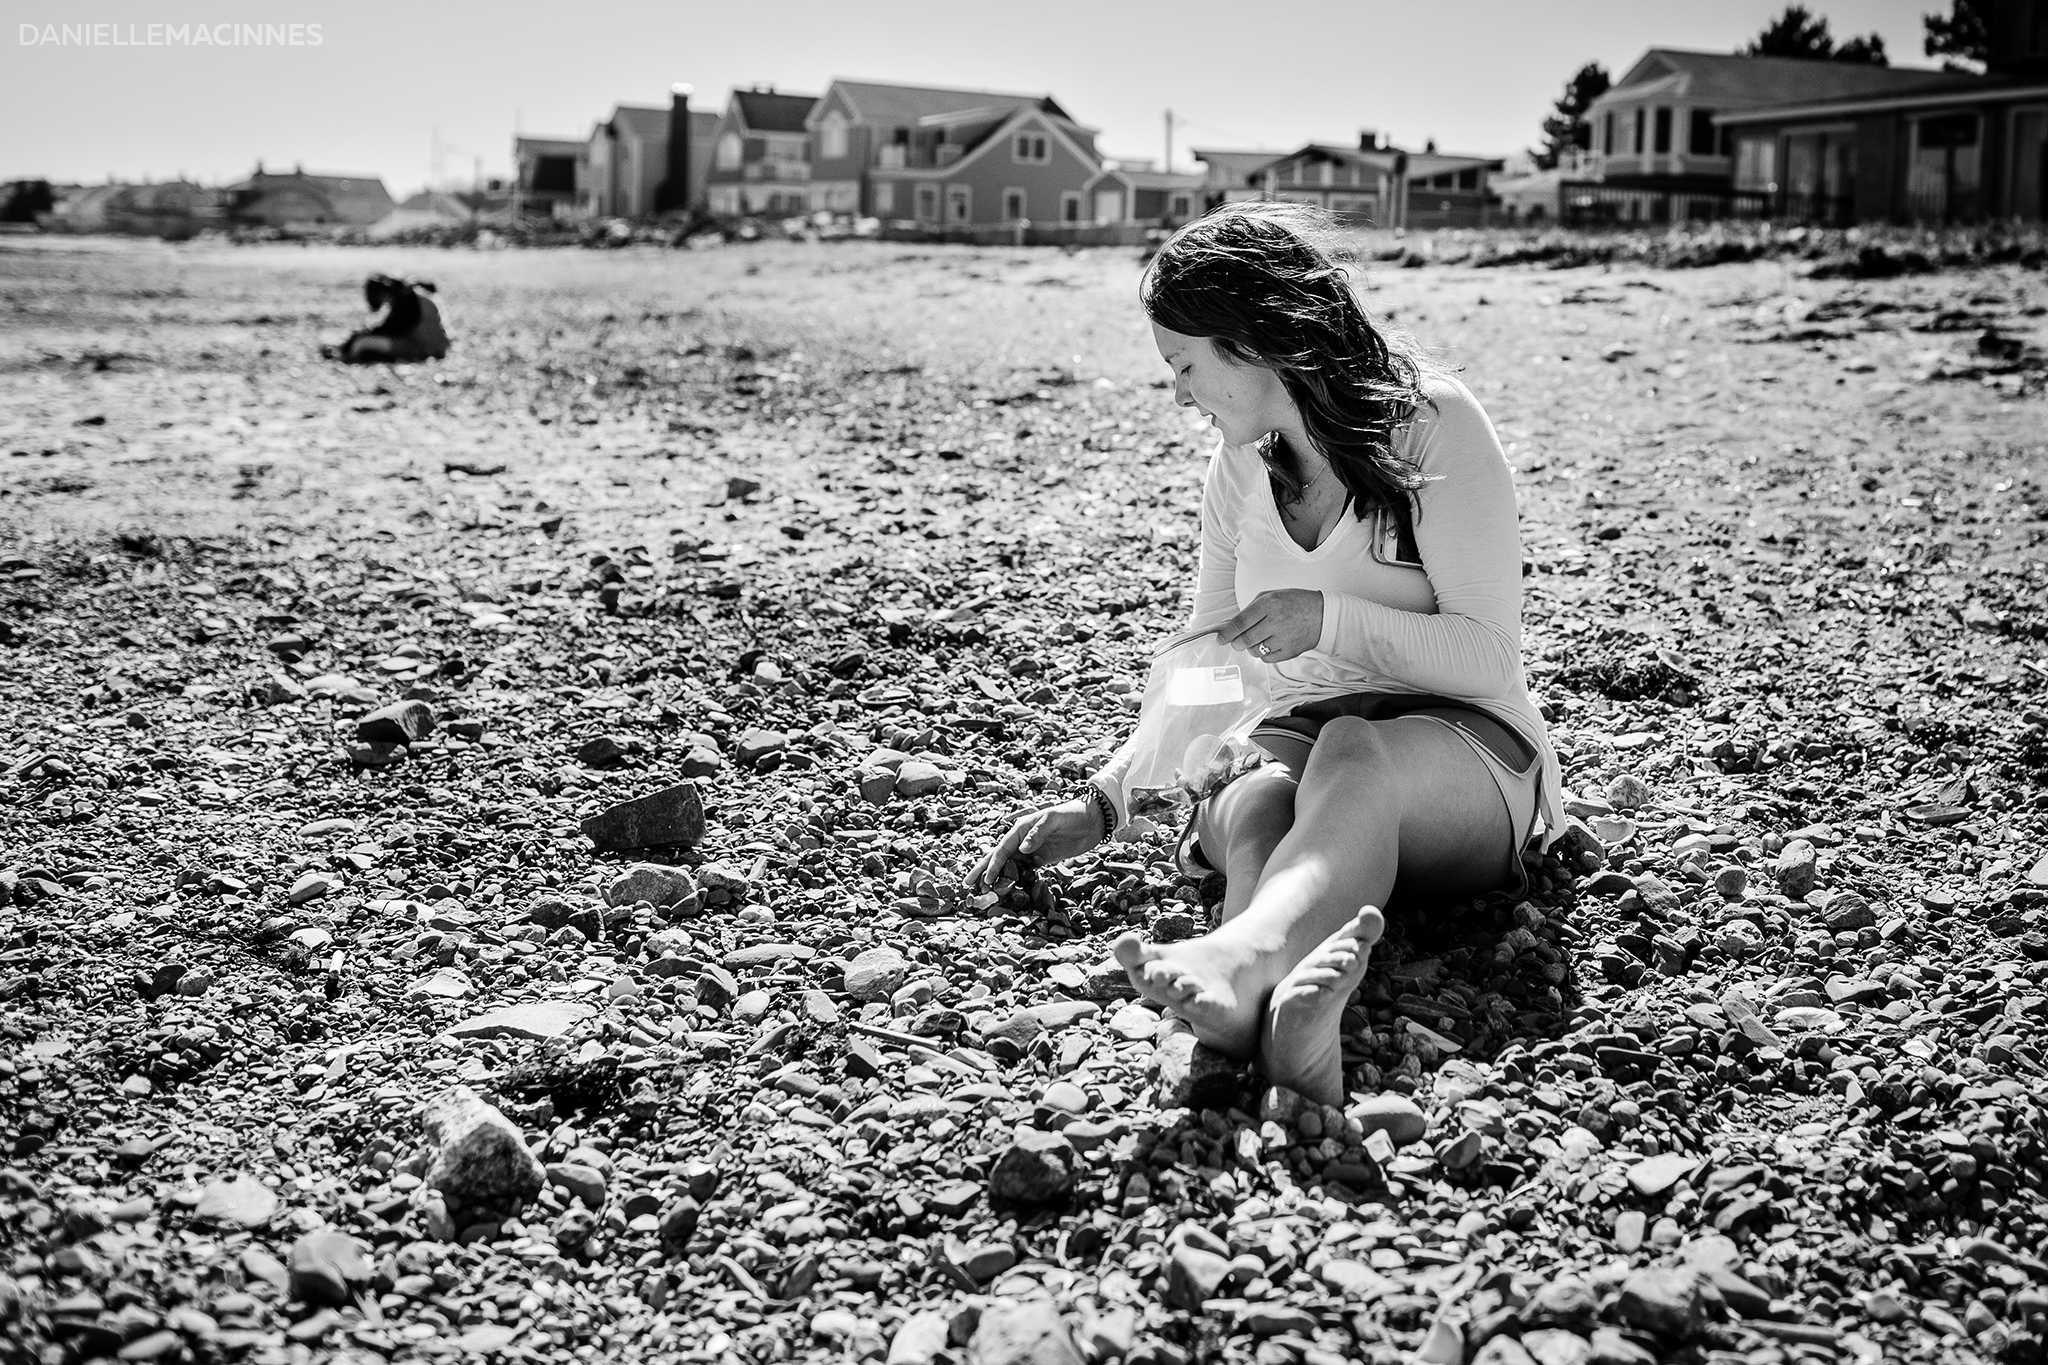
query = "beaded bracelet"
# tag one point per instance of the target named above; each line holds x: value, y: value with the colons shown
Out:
x: 1098, y: 798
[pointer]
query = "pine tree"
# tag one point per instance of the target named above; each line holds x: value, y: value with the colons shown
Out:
x: 1962, y: 38
x: 1799, y: 32
x: 1566, y: 126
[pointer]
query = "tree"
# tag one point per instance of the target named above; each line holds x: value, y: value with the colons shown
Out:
x: 1566, y: 126
x: 21, y: 201
x: 1868, y: 50
x: 1799, y: 32
x: 1962, y: 39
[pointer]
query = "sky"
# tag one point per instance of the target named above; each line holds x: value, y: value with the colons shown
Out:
x: 373, y: 86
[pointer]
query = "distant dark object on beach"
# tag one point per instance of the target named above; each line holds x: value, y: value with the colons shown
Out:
x: 410, y: 329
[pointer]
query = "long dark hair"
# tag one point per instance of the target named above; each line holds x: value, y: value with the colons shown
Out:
x: 1268, y: 283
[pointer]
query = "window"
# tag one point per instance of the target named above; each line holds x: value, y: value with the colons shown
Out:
x: 928, y: 203
x: 1949, y: 130
x: 1756, y: 163
x: 885, y: 196
x: 1013, y: 206
x: 1444, y: 181
x: 1182, y: 206
x: 1070, y: 206
x: 1607, y: 132
x: 959, y: 203
x: 1031, y: 148
x: 1663, y: 126
x: 1700, y: 136
x: 832, y: 137
x: 1469, y: 180
x: 730, y: 152
x: 1641, y: 146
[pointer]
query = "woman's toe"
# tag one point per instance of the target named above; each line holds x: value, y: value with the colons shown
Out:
x: 1133, y: 952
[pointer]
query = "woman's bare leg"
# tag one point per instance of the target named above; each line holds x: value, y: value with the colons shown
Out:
x: 1376, y: 798
x: 1240, y: 828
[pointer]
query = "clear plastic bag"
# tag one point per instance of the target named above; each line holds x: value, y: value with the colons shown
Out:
x: 1202, y: 700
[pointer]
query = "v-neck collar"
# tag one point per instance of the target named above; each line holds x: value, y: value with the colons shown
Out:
x: 1329, y: 538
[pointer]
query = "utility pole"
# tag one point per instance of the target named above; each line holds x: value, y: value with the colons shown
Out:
x: 1168, y: 166
x: 435, y: 168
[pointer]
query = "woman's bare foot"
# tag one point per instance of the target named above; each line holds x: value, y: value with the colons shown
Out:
x: 1216, y: 983
x: 1303, y: 1046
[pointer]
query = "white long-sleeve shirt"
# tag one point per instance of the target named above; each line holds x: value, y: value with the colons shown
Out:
x: 1450, y: 628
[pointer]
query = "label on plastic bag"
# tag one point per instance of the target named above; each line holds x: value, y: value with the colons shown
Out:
x: 1221, y: 686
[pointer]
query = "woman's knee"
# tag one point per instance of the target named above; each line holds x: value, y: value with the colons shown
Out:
x: 1347, y: 746
x: 1259, y: 805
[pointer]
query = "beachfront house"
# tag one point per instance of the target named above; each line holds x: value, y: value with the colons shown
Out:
x: 1228, y: 176
x: 942, y: 156
x: 1381, y: 185
x: 298, y: 200
x: 761, y: 155
x: 625, y: 159
x: 1664, y: 140
x: 1958, y: 147
x: 545, y: 171
x: 1128, y: 192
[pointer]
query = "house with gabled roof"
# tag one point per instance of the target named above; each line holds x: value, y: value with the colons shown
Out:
x: 952, y: 157
x: 1955, y: 147
x: 1665, y: 148
x: 276, y: 199
x: 625, y: 160
x: 1378, y: 184
x: 761, y: 155
x: 1123, y: 192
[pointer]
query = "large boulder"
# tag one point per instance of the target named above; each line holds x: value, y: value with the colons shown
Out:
x: 673, y: 815
x: 479, y: 1157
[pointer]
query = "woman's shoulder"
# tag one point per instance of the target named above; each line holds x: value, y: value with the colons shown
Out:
x: 1449, y: 419
x: 1446, y: 399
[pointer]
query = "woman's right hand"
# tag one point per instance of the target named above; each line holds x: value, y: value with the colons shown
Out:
x: 1046, y: 835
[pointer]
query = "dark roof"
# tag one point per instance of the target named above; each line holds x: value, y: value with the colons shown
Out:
x: 351, y: 198
x: 1958, y: 87
x: 768, y: 112
x: 878, y: 102
x: 1729, y: 80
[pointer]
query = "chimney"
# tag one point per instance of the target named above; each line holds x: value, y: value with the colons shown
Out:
x: 1368, y: 140
x: 674, y: 190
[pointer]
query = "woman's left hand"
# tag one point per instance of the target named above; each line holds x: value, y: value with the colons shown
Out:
x: 1277, y: 626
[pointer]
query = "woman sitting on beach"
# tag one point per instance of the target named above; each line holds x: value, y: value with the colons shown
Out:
x: 409, y: 330
x: 1358, y: 532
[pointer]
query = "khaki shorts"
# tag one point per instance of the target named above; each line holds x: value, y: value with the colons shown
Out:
x: 1512, y: 762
